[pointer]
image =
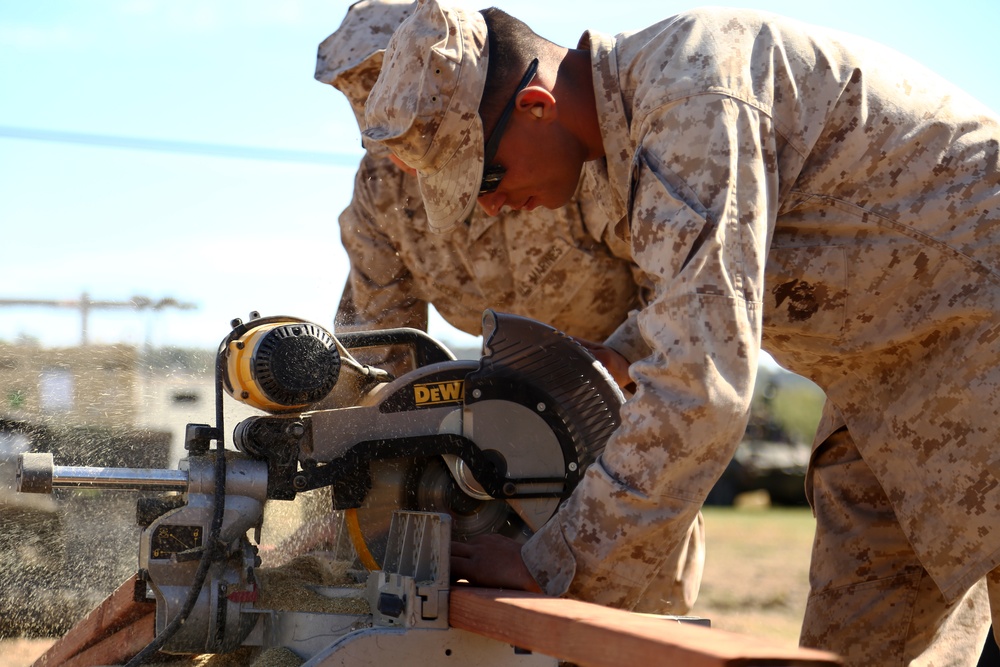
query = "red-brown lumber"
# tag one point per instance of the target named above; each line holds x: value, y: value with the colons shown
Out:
x: 594, y: 636
x: 117, y: 612
x: 118, y: 647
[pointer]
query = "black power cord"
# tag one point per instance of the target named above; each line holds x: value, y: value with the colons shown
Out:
x: 212, y: 548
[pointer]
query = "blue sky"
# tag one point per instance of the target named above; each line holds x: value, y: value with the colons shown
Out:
x: 233, y: 235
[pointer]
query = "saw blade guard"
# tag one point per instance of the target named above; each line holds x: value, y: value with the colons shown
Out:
x: 583, y: 401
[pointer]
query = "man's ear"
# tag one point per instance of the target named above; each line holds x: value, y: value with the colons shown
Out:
x: 538, y: 102
x: 402, y: 165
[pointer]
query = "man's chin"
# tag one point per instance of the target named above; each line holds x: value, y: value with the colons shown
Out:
x: 552, y: 201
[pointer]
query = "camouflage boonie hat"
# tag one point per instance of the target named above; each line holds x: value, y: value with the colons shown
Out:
x: 425, y: 105
x: 351, y: 58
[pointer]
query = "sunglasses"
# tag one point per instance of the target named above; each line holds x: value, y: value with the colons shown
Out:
x: 494, y: 173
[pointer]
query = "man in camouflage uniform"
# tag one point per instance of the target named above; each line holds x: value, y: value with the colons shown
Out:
x: 548, y: 265
x: 781, y: 186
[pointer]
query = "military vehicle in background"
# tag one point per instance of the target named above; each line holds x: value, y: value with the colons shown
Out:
x: 765, y: 460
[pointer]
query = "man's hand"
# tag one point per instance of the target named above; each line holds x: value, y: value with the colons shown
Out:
x: 493, y: 561
x: 616, y: 364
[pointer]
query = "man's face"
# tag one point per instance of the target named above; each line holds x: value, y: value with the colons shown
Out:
x: 542, y: 165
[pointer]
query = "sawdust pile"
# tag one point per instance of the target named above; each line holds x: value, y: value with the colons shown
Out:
x: 243, y: 657
x: 276, y: 657
x: 289, y: 587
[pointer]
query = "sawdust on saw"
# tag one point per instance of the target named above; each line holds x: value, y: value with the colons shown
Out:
x: 242, y: 657
x: 291, y: 587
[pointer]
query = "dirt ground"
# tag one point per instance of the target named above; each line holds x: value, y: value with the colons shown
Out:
x: 756, y: 569
x: 22, y: 652
x: 755, y: 576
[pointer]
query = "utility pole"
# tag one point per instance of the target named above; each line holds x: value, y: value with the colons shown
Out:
x: 85, y: 304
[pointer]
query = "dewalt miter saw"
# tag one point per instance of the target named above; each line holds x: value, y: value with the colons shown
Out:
x: 495, y: 443
x: 483, y: 446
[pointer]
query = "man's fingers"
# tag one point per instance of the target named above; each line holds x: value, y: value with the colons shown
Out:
x: 462, y: 550
x: 462, y: 562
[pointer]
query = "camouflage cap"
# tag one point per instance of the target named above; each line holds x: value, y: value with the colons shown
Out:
x: 425, y: 105
x: 351, y: 58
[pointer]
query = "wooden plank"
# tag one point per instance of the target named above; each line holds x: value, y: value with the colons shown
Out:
x: 594, y: 636
x: 117, y: 611
x: 118, y: 647
x: 586, y: 634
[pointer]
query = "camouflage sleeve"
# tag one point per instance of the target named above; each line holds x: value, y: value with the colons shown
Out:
x: 627, y: 341
x: 379, y: 289
x: 379, y: 292
x: 701, y: 240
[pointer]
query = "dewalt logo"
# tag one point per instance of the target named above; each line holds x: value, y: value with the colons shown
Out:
x: 436, y: 393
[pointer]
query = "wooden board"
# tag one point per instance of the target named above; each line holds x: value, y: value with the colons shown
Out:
x: 594, y: 636
x: 116, y: 612
x: 119, y: 647
x: 586, y: 634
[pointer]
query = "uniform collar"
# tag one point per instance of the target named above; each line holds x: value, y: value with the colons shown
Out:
x: 611, y: 174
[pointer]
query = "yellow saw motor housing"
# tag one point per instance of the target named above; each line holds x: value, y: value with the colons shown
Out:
x: 282, y: 365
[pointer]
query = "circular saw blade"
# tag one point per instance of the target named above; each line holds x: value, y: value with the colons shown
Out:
x: 585, y: 400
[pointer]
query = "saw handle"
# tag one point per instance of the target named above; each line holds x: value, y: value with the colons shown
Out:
x: 37, y: 473
x: 426, y: 350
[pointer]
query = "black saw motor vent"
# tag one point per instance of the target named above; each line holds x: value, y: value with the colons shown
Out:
x: 296, y: 364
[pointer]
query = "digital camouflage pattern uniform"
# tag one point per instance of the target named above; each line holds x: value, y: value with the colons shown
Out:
x: 826, y: 199
x: 784, y: 187
x: 562, y: 267
x: 548, y: 265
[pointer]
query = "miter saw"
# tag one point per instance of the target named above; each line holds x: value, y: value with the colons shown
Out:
x: 449, y: 450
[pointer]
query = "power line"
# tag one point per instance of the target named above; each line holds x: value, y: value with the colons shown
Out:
x: 85, y: 304
x: 182, y: 147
